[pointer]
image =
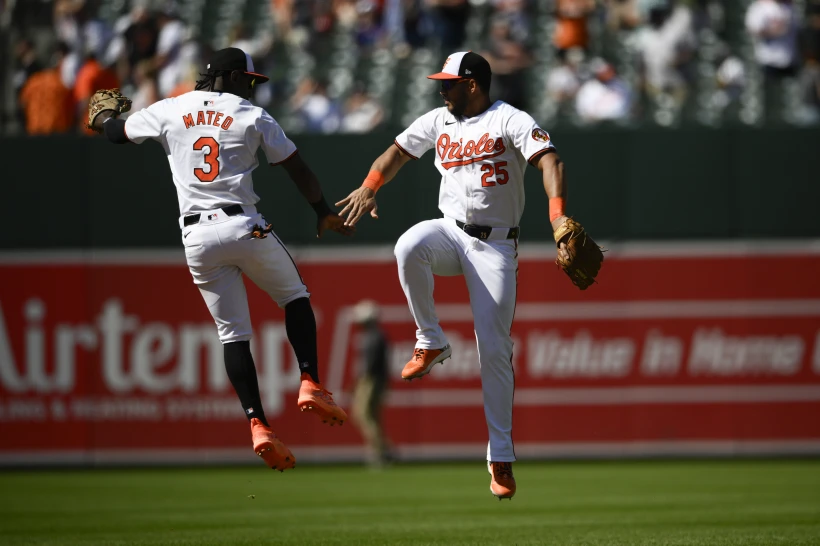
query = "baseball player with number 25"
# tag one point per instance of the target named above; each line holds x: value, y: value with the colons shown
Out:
x: 211, y: 136
x: 481, y: 150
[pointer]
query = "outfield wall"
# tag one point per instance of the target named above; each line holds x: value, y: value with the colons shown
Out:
x: 682, y: 349
x: 625, y: 185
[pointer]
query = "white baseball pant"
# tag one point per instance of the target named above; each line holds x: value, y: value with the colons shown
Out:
x: 490, y: 267
x: 219, y: 249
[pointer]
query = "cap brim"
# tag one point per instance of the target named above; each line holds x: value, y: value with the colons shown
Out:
x: 443, y: 76
x: 259, y: 77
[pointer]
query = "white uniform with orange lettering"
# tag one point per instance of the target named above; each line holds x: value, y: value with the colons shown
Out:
x: 211, y: 140
x: 482, y: 160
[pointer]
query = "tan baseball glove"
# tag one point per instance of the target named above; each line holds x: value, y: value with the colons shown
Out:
x: 104, y: 100
x: 585, y: 256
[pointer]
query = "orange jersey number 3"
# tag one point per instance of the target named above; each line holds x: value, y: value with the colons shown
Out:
x: 211, y: 159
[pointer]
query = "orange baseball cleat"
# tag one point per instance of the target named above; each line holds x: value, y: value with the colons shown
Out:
x: 313, y: 397
x: 423, y: 361
x: 502, y: 483
x: 265, y: 444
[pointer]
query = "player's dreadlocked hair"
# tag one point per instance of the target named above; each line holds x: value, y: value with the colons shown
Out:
x: 208, y: 80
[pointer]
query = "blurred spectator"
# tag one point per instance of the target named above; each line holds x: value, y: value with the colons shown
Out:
x: 362, y: 113
x: 76, y: 25
x: 515, y: 13
x: 169, y: 45
x: 667, y: 47
x: 26, y: 64
x: 622, y: 14
x: 140, y: 37
x: 508, y: 58
x: 405, y: 24
x: 731, y: 79
x: 603, y: 97
x: 449, y: 22
x: 314, y: 110
x: 812, y: 29
x: 564, y: 80
x: 571, y: 23
x: 368, y: 30
x: 145, y: 81
x: 47, y: 103
x: 773, y: 26
x: 371, y: 383
x: 91, y: 76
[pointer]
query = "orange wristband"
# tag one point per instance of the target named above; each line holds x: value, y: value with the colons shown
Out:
x: 556, y: 208
x: 374, y: 181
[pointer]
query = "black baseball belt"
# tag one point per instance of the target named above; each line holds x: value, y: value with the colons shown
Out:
x: 230, y: 210
x: 483, y: 232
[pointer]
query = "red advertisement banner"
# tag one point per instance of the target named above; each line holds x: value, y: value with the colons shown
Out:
x: 711, y: 348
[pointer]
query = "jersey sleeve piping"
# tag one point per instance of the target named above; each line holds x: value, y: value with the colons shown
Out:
x: 288, y: 157
x: 539, y: 153
x: 405, y: 152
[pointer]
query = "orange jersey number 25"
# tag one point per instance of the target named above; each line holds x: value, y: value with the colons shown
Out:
x: 211, y: 159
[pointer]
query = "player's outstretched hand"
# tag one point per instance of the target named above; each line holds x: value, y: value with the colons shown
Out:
x: 333, y: 222
x: 359, y: 202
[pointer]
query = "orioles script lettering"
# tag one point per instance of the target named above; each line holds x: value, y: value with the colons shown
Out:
x: 461, y: 153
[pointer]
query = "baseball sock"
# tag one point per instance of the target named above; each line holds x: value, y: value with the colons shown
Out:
x: 242, y: 373
x: 300, y: 325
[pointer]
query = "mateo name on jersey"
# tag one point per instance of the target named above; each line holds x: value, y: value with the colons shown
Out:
x: 214, y: 118
x: 471, y: 152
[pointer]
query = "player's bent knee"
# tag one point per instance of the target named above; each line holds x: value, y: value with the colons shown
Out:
x: 407, y: 247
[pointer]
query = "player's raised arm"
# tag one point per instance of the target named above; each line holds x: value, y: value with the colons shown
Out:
x: 363, y: 199
x: 310, y: 189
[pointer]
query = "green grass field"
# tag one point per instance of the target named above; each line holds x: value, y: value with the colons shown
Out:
x: 665, y: 503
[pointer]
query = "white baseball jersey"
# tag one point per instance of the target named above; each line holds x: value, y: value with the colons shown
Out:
x: 211, y: 140
x: 481, y: 159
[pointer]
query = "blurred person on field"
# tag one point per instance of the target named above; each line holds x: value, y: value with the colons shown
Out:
x: 362, y: 113
x: 314, y: 109
x: 604, y: 97
x: 571, y: 23
x: 667, y: 46
x: 371, y: 381
x: 508, y: 58
x: 48, y: 105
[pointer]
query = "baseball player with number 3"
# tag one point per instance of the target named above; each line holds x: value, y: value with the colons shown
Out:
x: 481, y: 150
x: 211, y: 136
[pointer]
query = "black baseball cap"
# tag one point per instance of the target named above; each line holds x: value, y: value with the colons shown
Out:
x: 230, y: 59
x: 464, y: 64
